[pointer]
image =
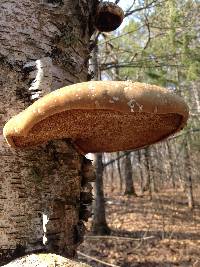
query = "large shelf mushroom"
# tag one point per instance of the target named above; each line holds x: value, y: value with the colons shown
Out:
x: 100, y: 116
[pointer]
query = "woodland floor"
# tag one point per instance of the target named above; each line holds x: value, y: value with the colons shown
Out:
x: 161, y: 232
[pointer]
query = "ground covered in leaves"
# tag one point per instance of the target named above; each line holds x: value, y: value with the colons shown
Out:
x: 161, y: 231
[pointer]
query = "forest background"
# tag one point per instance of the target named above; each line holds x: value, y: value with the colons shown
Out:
x: 151, y: 196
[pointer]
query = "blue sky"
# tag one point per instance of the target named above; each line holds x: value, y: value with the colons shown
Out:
x: 125, y: 3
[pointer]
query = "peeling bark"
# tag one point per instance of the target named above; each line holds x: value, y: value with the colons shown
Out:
x: 31, y: 190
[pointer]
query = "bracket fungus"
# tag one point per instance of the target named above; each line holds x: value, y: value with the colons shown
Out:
x: 109, y: 17
x: 100, y: 116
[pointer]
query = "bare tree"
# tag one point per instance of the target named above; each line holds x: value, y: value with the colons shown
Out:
x: 129, y: 187
x: 188, y: 176
x: 147, y: 185
x: 119, y: 172
x: 99, y: 224
x: 170, y: 156
x: 141, y: 170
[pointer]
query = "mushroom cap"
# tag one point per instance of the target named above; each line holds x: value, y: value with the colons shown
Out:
x: 109, y: 17
x: 100, y: 116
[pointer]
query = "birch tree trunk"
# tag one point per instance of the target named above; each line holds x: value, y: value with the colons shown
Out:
x: 44, y: 45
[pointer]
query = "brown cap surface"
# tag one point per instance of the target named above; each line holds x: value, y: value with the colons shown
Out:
x: 100, y: 116
x: 109, y: 16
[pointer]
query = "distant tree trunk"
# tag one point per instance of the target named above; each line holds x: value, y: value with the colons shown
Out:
x: 116, y: 76
x: 99, y: 224
x: 196, y: 95
x: 112, y: 177
x: 188, y: 177
x: 160, y: 164
x: 119, y: 173
x: 172, y: 175
x: 178, y: 164
x: 44, y: 46
x: 139, y: 153
x: 106, y: 171
x: 129, y: 186
x: 152, y: 162
x: 147, y: 185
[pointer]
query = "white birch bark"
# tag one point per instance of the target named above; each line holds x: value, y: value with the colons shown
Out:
x: 44, y: 45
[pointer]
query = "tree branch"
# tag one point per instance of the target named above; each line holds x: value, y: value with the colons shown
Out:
x: 95, y: 259
x: 126, y: 33
x: 130, y: 12
x: 140, y: 66
x: 119, y: 157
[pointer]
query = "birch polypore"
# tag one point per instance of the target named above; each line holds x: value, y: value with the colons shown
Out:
x: 100, y: 116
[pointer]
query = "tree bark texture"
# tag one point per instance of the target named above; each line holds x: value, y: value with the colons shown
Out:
x: 44, y: 45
